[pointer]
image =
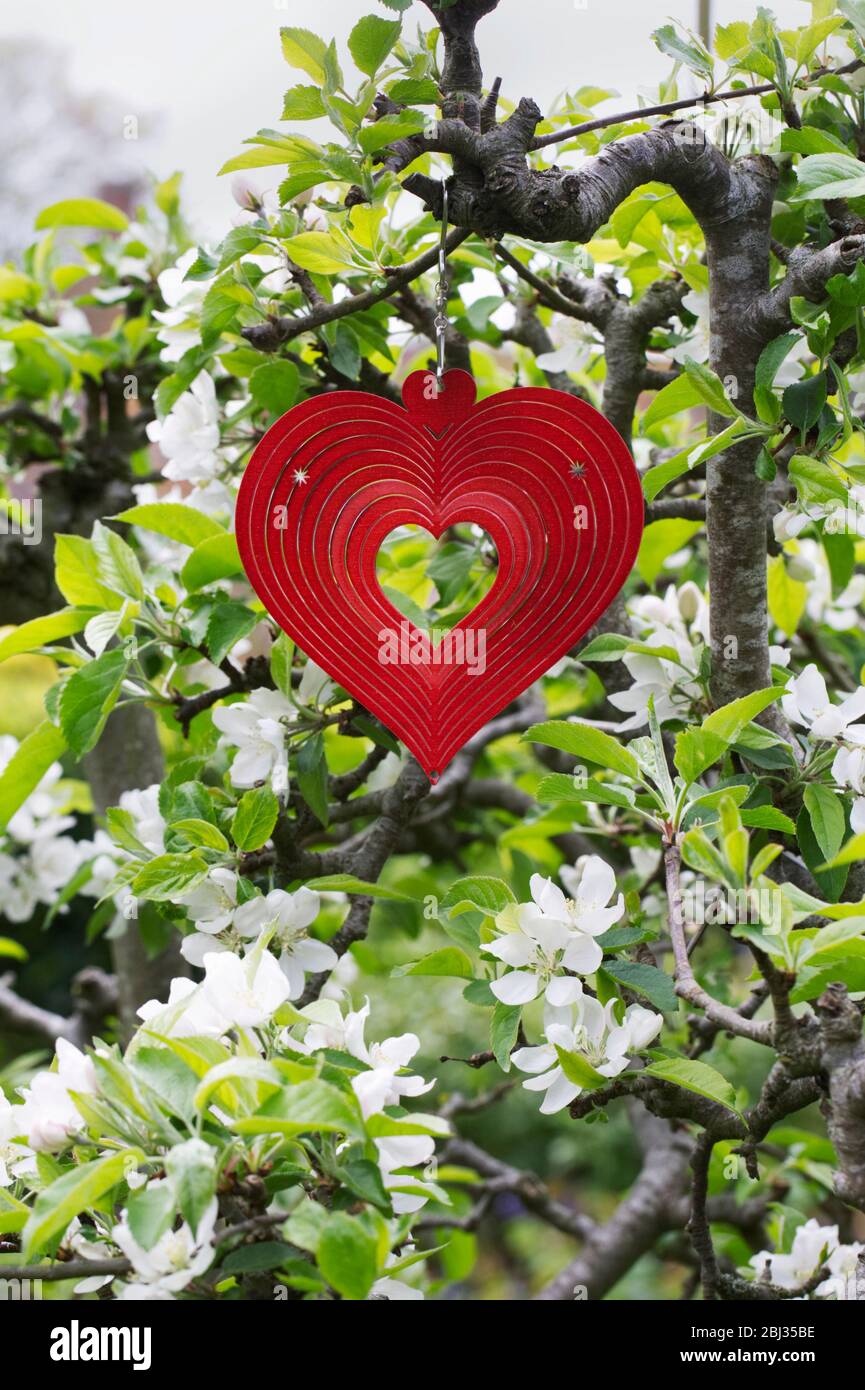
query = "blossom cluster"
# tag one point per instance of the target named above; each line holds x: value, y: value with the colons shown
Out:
x: 815, y: 1247
x: 549, y: 944
x: 236, y: 1006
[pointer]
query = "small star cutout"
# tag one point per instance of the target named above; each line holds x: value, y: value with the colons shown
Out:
x: 577, y: 470
x: 300, y: 477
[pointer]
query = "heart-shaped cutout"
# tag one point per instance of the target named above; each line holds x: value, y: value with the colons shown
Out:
x: 543, y: 473
x: 436, y: 583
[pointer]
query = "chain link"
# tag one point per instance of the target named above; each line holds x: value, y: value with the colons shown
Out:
x: 441, y: 290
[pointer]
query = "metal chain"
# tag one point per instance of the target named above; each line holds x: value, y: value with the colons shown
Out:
x: 441, y: 322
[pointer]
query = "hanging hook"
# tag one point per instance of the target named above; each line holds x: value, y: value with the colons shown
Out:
x: 441, y: 321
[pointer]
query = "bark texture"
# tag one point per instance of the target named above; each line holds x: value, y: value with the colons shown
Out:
x: 127, y: 756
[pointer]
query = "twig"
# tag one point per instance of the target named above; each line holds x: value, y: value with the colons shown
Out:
x: 666, y: 108
x: 687, y: 986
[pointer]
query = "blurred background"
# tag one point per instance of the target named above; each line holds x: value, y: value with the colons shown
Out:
x: 100, y: 98
x: 95, y: 95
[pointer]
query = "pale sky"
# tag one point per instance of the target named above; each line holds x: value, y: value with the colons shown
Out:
x: 212, y: 70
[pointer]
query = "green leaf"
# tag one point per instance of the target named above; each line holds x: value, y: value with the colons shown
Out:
x: 364, y: 1179
x: 201, y: 833
x: 305, y: 50
x: 168, y: 876
x: 504, y: 1027
x: 240, y: 241
x: 728, y: 721
x: 582, y: 741
x: 787, y: 597
x: 228, y: 623
x: 826, y: 813
x: 14, y: 1215
x: 347, y: 883
x: 773, y: 355
x: 375, y: 137
x: 76, y: 573
x: 558, y: 786
x: 371, y: 40
x: 39, y: 631
x: 257, y: 1258
x: 217, y: 557
x: 815, y: 480
x: 307, y: 1108
x: 677, y: 396
x: 811, y: 140
x: 348, y: 1256
x: 382, y: 1126
x: 74, y: 1192
x: 174, y: 520
x: 118, y: 563
x: 312, y: 777
x: 692, y: 54
x: 303, y: 104
x: 479, y: 893
x: 254, y: 819
x: 803, y: 402
x: 151, y: 1212
x: 661, y: 539
x: 768, y: 818
x: 696, y: 750
x: 281, y: 661
x: 415, y: 91
x: 240, y: 1069
x: 709, y: 387
x: 83, y: 212
x: 320, y: 252
x: 656, y: 479
x: 274, y: 386
x: 448, y: 961
x: 12, y: 950
x: 654, y: 984
x: 305, y: 1225
x: 88, y: 697
x: 579, y: 1071
x: 853, y: 851
x: 610, y: 646
x: 829, y: 176
x: 703, y: 1080
x: 27, y: 766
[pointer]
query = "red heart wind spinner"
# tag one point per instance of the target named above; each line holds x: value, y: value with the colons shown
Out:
x: 545, y: 475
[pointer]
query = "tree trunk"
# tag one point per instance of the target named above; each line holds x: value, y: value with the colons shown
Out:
x: 738, y: 260
x: 128, y: 756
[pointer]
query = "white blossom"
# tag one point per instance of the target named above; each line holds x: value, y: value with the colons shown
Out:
x: 188, y: 1013
x: 180, y: 321
x: 174, y: 1261
x: 189, y: 435
x: 247, y: 992
x: 807, y: 703
x: 590, y: 1029
x: 291, y: 914
x: 15, y: 1157
x: 813, y: 1244
x: 51, y: 1115
x: 573, y: 344
x: 253, y: 727
x: 542, y: 939
x: 678, y: 621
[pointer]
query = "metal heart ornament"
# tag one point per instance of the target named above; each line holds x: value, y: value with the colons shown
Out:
x: 544, y: 474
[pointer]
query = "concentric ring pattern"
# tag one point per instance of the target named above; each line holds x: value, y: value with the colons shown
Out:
x: 545, y: 475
